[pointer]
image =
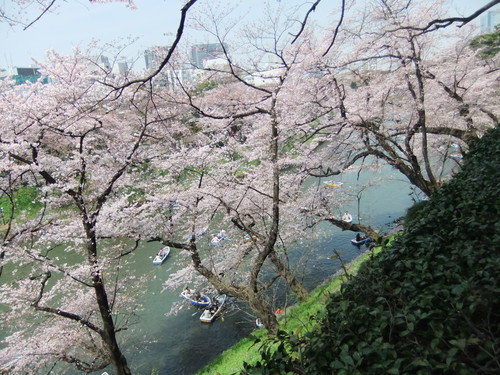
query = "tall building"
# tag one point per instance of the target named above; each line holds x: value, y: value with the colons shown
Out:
x: 121, y: 67
x: 490, y: 20
x: 171, y: 77
x: 200, y: 53
x: 22, y: 75
x: 103, y: 62
x: 153, y: 56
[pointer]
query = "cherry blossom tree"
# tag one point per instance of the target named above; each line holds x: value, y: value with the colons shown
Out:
x: 85, y: 148
x: 229, y: 175
x: 126, y: 159
x: 401, y: 97
x: 86, y: 143
x: 237, y: 168
x: 80, y: 145
x: 432, y: 24
x: 378, y: 95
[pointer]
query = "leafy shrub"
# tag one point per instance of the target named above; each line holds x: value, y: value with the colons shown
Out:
x: 487, y: 45
x: 428, y: 303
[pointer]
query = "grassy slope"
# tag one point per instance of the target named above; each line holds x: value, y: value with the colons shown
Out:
x: 25, y: 200
x: 301, y: 318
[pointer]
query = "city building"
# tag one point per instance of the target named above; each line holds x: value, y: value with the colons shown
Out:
x: 153, y: 56
x: 200, y: 53
x: 120, y: 68
x: 170, y: 76
x: 103, y: 62
x: 218, y: 63
x: 490, y: 20
x: 22, y: 75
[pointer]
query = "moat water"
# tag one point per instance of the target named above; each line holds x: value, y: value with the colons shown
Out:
x: 160, y: 343
x: 180, y: 344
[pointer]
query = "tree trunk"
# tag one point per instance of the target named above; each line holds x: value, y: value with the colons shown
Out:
x: 109, y: 332
x: 109, y: 337
x: 266, y: 316
x: 289, y: 277
x: 244, y: 293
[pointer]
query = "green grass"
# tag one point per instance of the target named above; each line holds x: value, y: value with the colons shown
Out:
x: 298, y: 319
x: 25, y: 199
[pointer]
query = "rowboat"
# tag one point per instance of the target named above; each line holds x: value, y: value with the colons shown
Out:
x: 213, y: 311
x: 196, y: 298
x: 361, y: 241
x: 199, y: 233
x: 162, y: 255
x: 347, y: 217
x: 333, y: 184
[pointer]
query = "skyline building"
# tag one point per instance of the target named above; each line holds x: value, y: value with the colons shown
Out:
x: 23, y: 74
x: 103, y: 62
x: 200, y: 53
x: 490, y: 20
x: 170, y: 77
x: 153, y: 56
x: 120, y: 67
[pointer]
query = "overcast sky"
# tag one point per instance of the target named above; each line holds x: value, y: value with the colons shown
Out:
x: 77, y: 22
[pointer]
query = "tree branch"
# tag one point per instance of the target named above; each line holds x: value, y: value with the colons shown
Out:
x: 370, y: 232
x: 59, y: 312
x: 303, y: 23
x: 445, y: 22
x: 41, y: 15
x: 337, y: 28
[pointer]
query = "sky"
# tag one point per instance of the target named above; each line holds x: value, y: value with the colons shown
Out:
x: 78, y: 22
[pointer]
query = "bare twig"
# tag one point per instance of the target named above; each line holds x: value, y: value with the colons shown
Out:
x: 41, y: 14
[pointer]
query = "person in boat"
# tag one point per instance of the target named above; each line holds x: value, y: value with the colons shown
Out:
x: 214, y: 307
x: 197, y: 296
x: 187, y: 291
x: 360, y: 238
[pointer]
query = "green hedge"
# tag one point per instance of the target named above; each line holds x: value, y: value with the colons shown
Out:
x: 428, y: 303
